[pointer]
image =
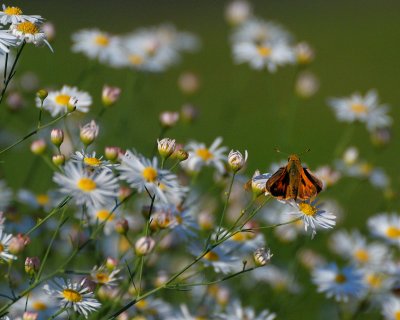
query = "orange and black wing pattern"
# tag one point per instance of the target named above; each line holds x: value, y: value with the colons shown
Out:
x: 309, y: 185
x: 278, y: 184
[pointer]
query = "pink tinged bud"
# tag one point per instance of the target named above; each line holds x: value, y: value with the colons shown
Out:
x: 123, y: 193
x: 57, y: 137
x: 122, y: 226
x: 89, y: 132
x: 166, y: 147
x: 169, y: 119
x: 18, y: 243
x: 110, y: 95
x: 111, y: 263
x: 15, y: 101
x: 189, y: 113
x: 49, y: 30
x: 30, y: 315
x: 144, y: 246
x: 32, y: 265
x: 38, y: 146
x: 111, y: 153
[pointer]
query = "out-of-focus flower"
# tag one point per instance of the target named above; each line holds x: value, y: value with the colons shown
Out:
x: 188, y: 82
x: 144, y: 246
x: 15, y: 101
x: 57, y: 102
x: 341, y: 284
x: 18, y: 243
x: 328, y: 175
x: 5, y: 240
x: 89, y: 132
x: 38, y: 146
x: 304, y: 53
x: 49, y: 29
x: 391, y: 308
x: 235, y: 311
x: 32, y: 265
x: 169, y: 119
x: 238, y: 11
x: 386, y: 226
x: 103, y: 276
x: 189, y: 113
x: 307, y: 84
x: 110, y: 95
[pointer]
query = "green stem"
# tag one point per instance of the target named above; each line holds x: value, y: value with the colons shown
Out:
x: 225, y: 204
x: 34, y: 132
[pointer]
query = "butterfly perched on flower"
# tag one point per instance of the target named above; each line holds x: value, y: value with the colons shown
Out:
x: 293, y: 182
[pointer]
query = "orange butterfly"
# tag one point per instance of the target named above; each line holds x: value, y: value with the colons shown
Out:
x: 293, y: 182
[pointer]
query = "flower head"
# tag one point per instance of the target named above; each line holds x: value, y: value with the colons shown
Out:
x: 14, y: 15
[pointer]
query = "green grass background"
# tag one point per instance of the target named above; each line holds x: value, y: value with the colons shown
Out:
x: 357, y: 46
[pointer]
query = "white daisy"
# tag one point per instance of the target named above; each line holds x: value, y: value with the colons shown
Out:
x: 313, y: 216
x: 30, y: 32
x: 7, y: 40
x: 105, y: 277
x: 238, y: 11
x: 14, y: 15
x: 182, y: 314
x: 75, y: 295
x: 47, y: 200
x: 364, y: 109
x: 391, y: 308
x: 57, y: 101
x: 243, y: 242
x: 153, y: 308
x: 340, y: 284
x: 5, y: 239
x: 179, y: 40
x: 277, y: 277
x: 200, y: 155
x: 38, y: 302
x: 5, y: 195
x: 103, y: 213
x: 96, y: 44
x: 86, y: 187
x: 386, y: 226
x: 270, y: 55
x: 235, y: 311
x: 355, y: 247
x: 327, y: 175
x: 92, y: 162
x: 142, y: 174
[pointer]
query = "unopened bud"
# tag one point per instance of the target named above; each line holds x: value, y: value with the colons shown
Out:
x: 180, y: 155
x: 58, y: 159
x: 111, y: 263
x: 32, y: 265
x: 304, y: 53
x: 123, y: 193
x: 206, y: 220
x: 71, y: 105
x: 110, y: 95
x: 166, y: 147
x: 144, y: 246
x: 350, y: 156
x: 122, y: 226
x: 381, y: 137
x: 236, y: 160
x: 262, y: 256
x: 307, y: 84
x: 169, y: 119
x: 28, y: 315
x: 18, y: 243
x: 238, y: 12
x: 189, y: 113
x: 89, y: 132
x: 57, y: 137
x: 111, y: 153
x: 38, y: 146
x: 42, y: 94
x: 258, y: 183
x: 188, y: 82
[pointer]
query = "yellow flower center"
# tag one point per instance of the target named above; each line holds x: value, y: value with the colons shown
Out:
x: 241, y: 236
x: 102, y: 277
x: 141, y: 304
x: 397, y: 315
x: 211, y: 256
x: 62, y: 99
x: 204, y: 153
x: 374, y: 280
x: 340, y: 278
x: 93, y: 162
x: 366, y: 168
x: 13, y: 11
x: 1, y: 248
x: 72, y: 295
x: 179, y: 219
x: 27, y: 27
x: 102, y: 40
x: 361, y: 255
x: 149, y: 174
x: 42, y: 199
x: 86, y: 184
x: 307, y: 209
x: 358, y: 108
x: 104, y: 214
x: 135, y: 59
x: 264, y: 51
x: 39, y: 306
x: 393, y: 232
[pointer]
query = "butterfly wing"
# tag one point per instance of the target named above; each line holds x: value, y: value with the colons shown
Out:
x: 309, y: 185
x: 278, y: 184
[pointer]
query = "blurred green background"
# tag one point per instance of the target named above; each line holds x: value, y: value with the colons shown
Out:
x: 357, y: 46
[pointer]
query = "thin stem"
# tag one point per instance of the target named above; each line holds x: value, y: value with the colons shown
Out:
x: 225, y: 204
x: 5, y: 69
x: 40, y: 113
x: 34, y: 132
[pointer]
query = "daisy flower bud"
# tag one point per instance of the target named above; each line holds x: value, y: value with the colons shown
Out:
x: 304, y: 53
x: 15, y: 101
x: 57, y: 137
x: 32, y: 265
x: 18, y: 243
x: 180, y: 155
x: 236, y: 160
x: 262, y: 256
x: 110, y: 95
x: 111, y: 153
x: 30, y: 315
x: 89, y: 133
x: 122, y: 226
x: 49, y: 30
x: 169, y: 119
x: 58, y: 159
x: 144, y: 246
x: 38, y: 146
x: 307, y: 84
x: 189, y: 113
x: 350, y: 156
x: 206, y: 220
x: 71, y: 105
x: 111, y: 263
x: 42, y: 94
x: 123, y: 193
x: 166, y: 147
x: 238, y: 12
x: 188, y: 82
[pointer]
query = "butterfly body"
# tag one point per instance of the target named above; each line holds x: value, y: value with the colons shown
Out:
x: 293, y: 181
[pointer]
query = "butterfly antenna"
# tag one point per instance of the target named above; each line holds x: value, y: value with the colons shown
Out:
x: 279, y: 151
x: 305, y: 151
